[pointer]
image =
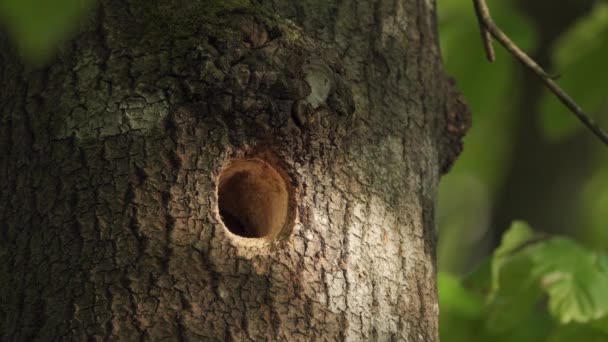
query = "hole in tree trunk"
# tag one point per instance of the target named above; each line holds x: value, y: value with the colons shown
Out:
x: 253, y: 199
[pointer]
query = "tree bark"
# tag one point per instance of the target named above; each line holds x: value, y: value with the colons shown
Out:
x: 121, y: 213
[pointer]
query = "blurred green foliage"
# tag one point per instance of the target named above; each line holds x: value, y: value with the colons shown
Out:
x: 486, y: 86
x: 534, y: 288
x: 38, y: 27
x: 580, y: 56
x: 468, y: 194
x: 488, y: 89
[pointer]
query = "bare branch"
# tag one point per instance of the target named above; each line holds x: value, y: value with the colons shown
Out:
x: 488, y: 27
x: 482, y: 10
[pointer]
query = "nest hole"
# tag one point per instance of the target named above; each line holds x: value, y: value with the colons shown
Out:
x: 253, y: 199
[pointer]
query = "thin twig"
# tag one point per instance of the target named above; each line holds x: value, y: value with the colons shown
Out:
x: 482, y: 10
x: 489, y: 27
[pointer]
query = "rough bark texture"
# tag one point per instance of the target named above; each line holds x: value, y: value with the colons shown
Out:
x: 110, y: 156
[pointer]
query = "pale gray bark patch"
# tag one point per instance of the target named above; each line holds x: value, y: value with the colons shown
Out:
x: 109, y: 219
x: 320, y: 79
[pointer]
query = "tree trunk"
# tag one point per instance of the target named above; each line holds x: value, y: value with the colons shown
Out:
x: 227, y: 170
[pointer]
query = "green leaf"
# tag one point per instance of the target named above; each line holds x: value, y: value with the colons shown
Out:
x: 39, y: 26
x: 575, y: 280
x: 579, y: 57
x: 525, y: 268
x: 515, y: 291
x: 517, y: 235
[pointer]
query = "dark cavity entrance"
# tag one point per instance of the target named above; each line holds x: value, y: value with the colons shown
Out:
x: 253, y: 199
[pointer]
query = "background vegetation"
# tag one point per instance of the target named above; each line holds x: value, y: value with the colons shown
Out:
x: 526, y: 158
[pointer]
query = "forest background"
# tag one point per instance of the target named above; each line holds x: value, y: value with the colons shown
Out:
x: 523, y: 214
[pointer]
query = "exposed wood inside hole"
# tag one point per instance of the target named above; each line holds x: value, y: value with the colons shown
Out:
x: 253, y: 199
